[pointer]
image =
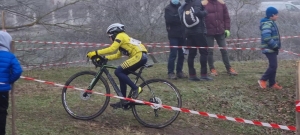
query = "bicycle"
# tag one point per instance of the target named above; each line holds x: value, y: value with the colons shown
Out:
x: 85, y: 103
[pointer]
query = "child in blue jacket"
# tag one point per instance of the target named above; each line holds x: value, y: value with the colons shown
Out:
x: 270, y: 43
x: 10, y: 71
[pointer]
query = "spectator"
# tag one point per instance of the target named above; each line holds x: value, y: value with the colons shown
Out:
x: 10, y: 71
x: 270, y: 43
x: 175, y: 34
x: 218, y: 26
x: 192, y: 15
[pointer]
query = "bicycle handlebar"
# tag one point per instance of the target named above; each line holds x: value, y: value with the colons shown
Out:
x: 99, y: 61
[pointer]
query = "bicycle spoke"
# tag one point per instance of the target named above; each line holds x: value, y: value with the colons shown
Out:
x: 162, y: 92
x: 81, y: 104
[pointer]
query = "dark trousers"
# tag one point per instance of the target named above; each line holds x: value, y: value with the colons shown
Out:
x: 198, y: 40
x: 221, y: 42
x: 270, y: 74
x: 173, y: 55
x: 122, y: 74
x: 3, y: 111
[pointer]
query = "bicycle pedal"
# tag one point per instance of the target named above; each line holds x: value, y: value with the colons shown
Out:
x: 126, y: 105
x: 126, y: 108
x: 116, y: 107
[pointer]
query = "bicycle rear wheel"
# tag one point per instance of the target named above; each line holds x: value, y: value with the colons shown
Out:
x: 82, y: 105
x: 160, y: 92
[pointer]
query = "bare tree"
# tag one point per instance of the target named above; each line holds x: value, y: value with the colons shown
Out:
x: 87, y: 20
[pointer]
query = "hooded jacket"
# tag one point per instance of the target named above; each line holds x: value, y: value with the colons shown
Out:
x: 174, y: 27
x: 270, y: 38
x: 10, y: 68
x: 199, y: 11
x: 217, y: 19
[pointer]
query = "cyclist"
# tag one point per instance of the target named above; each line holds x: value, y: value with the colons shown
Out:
x: 128, y: 46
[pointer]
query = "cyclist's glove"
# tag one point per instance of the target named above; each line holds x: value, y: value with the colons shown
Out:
x: 91, y: 54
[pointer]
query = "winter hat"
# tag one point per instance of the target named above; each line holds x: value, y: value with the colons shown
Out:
x: 5, y: 40
x: 271, y: 11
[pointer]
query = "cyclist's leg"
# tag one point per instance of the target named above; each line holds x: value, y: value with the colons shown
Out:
x: 131, y: 64
x: 119, y: 72
x: 123, y: 88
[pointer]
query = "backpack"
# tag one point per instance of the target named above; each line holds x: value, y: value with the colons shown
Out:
x: 189, y: 19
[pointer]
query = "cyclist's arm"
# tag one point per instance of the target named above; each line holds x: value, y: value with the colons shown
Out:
x: 114, y: 56
x: 112, y: 48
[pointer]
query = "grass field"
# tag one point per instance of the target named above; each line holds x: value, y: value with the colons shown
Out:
x: 40, y: 110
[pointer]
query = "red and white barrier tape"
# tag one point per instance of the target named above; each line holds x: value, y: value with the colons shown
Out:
x: 58, y: 43
x: 89, y: 45
x: 247, y: 39
x: 159, y: 46
x: 215, y: 47
x: 74, y: 62
x: 79, y: 43
x: 73, y: 43
x: 298, y: 106
x: 60, y: 47
x: 240, y: 120
x: 54, y: 64
x: 82, y: 61
x: 233, y: 48
x: 84, y: 45
x: 290, y: 52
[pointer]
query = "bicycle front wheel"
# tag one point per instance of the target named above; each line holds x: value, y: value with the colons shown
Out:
x: 82, y: 105
x: 157, y: 91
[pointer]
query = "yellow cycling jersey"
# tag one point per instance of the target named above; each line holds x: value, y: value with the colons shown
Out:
x: 125, y: 45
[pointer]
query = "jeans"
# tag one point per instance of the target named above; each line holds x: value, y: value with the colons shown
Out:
x: 173, y: 55
x: 270, y: 74
x: 198, y: 40
x: 221, y: 42
x: 3, y: 111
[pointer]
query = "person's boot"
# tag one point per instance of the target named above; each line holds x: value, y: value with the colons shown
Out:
x: 181, y: 75
x: 172, y: 76
x: 262, y: 84
x: 136, y: 92
x: 194, y: 78
x: 213, y: 72
x: 231, y: 71
x: 276, y: 86
x: 205, y: 78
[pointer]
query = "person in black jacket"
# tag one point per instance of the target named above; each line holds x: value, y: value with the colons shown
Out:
x: 196, y: 36
x: 175, y: 31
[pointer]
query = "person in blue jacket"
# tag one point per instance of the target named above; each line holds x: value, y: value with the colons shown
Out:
x: 10, y: 71
x: 270, y: 44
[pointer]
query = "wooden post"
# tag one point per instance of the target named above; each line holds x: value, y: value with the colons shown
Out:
x: 13, y: 101
x: 298, y: 98
x: 3, y: 21
x: 12, y: 91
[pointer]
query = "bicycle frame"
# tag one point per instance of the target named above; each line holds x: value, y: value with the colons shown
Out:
x: 103, y: 69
